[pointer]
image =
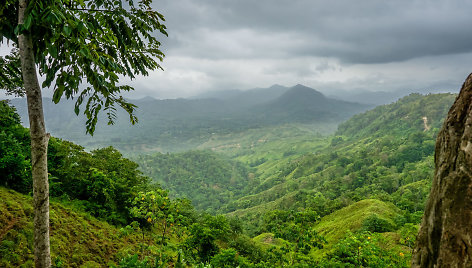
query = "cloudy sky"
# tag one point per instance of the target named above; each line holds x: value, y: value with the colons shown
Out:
x: 337, y: 45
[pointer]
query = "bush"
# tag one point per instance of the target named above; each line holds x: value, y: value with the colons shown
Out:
x: 229, y: 258
x: 375, y: 224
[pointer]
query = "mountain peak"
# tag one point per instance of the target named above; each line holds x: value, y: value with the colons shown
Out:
x: 276, y: 86
x: 299, y: 96
x: 146, y: 99
x: 301, y: 91
x: 302, y: 87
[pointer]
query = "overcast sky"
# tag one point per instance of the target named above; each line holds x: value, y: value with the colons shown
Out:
x: 375, y: 45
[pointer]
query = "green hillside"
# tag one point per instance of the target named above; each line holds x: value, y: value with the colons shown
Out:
x: 412, y: 113
x: 375, y: 173
x: 365, y: 233
x: 290, y: 197
x: 77, y: 239
x: 373, y: 155
x: 206, y: 178
x: 376, y: 154
x: 351, y: 218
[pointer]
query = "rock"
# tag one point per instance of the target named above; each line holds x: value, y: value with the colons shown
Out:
x: 445, y: 235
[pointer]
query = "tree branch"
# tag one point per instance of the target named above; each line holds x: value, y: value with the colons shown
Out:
x: 93, y: 10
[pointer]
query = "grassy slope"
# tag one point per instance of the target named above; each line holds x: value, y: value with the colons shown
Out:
x: 334, y: 226
x: 77, y: 239
x: 390, y: 123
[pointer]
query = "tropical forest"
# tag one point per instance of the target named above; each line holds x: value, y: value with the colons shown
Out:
x: 283, y: 176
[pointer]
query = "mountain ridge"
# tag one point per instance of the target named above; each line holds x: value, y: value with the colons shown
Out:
x: 183, y: 124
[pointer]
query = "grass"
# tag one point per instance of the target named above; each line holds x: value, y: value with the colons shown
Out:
x: 334, y: 226
x: 77, y: 239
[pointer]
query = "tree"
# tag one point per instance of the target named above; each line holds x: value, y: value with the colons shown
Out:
x: 445, y: 235
x: 15, y: 167
x: 73, y: 43
x: 296, y: 228
x: 364, y: 249
x: 154, y: 207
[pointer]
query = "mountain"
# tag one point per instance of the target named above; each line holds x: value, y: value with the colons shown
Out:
x: 414, y: 112
x: 385, y: 153
x: 183, y: 124
x: 246, y: 97
x: 304, y: 104
x: 258, y: 96
x: 219, y: 94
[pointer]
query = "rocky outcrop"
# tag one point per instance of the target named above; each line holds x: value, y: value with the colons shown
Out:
x: 445, y: 236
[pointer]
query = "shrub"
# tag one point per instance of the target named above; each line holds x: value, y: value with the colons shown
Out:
x: 376, y: 224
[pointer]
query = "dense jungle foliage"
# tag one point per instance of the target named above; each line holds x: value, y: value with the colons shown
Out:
x: 280, y: 199
x: 199, y: 175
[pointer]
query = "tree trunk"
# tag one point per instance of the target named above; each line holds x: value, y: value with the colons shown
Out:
x: 39, y: 144
x: 445, y: 236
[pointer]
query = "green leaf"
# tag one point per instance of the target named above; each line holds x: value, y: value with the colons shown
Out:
x: 84, y: 52
x: 67, y: 30
x: 80, y: 26
x: 53, y: 50
x: 28, y: 21
x: 18, y: 29
x: 58, y: 94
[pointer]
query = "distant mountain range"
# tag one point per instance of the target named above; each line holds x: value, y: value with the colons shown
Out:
x: 248, y: 97
x: 359, y: 96
x: 180, y: 124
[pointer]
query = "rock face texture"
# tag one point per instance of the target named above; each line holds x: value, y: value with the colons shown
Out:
x: 445, y: 236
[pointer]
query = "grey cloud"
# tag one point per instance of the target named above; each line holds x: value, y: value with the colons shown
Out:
x: 325, y: 66
x: 370, y: 31
x: 376, y: 45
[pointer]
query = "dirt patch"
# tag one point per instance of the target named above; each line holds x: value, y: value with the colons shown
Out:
x: 268, y: 239
x: 425, y: 122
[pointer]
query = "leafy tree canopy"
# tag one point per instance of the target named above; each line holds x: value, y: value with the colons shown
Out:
x: 83, y: 47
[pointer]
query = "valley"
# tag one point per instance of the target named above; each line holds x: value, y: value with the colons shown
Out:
x: 337, y: 184
x: 235, y: 134
x: 182, y: 124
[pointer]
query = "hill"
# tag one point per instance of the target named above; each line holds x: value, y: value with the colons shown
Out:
x: 246, y: 98
x: 76, y: 238
x: 412, y: 113
x: 353, y: 218
x: 182, y: 124
x: 374, y: 155
x: 301, y: 104
x: 377, y: 154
